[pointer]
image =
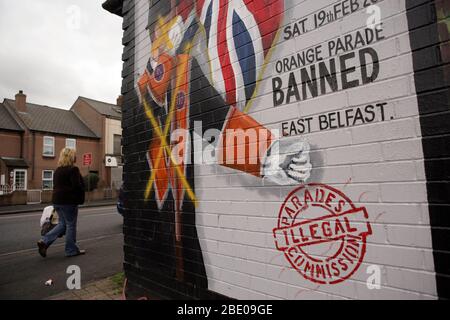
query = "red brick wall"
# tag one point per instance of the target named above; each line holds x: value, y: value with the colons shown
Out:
x: 15, y: 198
x: 96, y: 122
x: 9, y: 144
x: 41, y: 162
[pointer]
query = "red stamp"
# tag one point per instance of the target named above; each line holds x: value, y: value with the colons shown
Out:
x: 322, y: 233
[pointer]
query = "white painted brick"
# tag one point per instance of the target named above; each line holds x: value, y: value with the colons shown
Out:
x: 218, y: 234
x: 209, y: 245
x: 393, y: 130
x: 274, y: 288
x: 237, y: 278
x: 262, y: 224
x: 257, y: 239
x: 261, y: 254
x: 325, y: 103
x: 208, y: 220
x: 244, y: 208
x: 396, y: 256
x: 213, y: 206
x: 285, y: 274
x: 412, y: 236
x: 204, y: 170
x: 360, y: 192
x: 255, y: 268
x: 283, y: 113
x: 232, y: 249
x: 403, y: 149
x: 379, y: 234
x: 335, y: 138
x: 420, y: 167
x: 402, y: 213
x: 357, y: 154
x: 235, y: 291
x: 300, y: 293
x: 332, y: 175
x: 277, y: 258
x: 405, y: 107
x: 384, y: 172
x: 385, y: 90
x: 222, y: 261
x: 214, y: 272
x: 240, y: 179
x: 418, y: 281
x: 216, y: 181
x: 404, y: 192
x: 385, y: 293
x: 233, y: 222
x: 318, y: 158
x: 270, y: 209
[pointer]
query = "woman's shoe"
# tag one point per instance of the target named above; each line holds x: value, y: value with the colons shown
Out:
x: 80, y: 253
x: 42, y: 247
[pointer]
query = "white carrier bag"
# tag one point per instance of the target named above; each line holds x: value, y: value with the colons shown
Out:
x: 49, y: 220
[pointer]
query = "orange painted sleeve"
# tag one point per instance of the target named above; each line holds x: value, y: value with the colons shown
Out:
x: 244, y: 143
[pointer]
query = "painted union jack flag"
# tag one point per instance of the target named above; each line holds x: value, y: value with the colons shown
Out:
x: 239, y: 35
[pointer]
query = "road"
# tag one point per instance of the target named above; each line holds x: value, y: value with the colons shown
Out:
x: 23, y: 271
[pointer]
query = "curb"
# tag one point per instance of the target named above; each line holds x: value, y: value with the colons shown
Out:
x: 93, y: 205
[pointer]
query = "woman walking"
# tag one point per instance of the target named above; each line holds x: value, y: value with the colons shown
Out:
x: 68, y: 193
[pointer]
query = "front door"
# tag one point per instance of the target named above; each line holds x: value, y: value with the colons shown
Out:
x: 20, y: 179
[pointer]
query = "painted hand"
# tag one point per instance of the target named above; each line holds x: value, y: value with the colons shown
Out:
x: 287, y: 164
x: 169, y: 35
x: 176, y: 33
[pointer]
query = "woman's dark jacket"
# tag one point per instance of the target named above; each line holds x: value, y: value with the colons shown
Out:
x: 68, y: 186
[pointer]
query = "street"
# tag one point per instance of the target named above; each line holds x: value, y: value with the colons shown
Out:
x: 23, y: 272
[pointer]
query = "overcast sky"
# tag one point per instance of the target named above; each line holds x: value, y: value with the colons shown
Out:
x: 57, y: 50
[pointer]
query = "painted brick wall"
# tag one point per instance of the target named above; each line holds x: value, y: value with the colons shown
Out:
x: 386, y: 158
x: 429, y: 42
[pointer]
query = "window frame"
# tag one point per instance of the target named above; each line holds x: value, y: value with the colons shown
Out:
x: 25, y: 186
x: 47, y: 145
x: 43, y: 172
x: 74, y: 142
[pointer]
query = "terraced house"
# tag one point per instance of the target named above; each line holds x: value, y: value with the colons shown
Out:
x: 32, y: 135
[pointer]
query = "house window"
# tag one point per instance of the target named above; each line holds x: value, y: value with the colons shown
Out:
x: 117, y: 145
x: 20, y: 179
x: 71, y: 144
x: 49, y: 147
x: 47, y: 180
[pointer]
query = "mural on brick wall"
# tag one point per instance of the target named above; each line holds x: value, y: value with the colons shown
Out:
x: 278, y: 130
x: 244, y: 33
x: 241, y: 31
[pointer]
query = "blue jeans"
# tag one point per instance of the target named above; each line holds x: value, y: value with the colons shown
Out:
x: 67, y: 225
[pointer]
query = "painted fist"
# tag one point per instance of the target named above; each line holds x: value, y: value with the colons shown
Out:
x: 287, y: 164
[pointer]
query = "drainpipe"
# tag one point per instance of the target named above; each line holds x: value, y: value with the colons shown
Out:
x: 33, y: 161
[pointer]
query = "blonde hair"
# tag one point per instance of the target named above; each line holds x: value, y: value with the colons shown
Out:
x: 66, y: 157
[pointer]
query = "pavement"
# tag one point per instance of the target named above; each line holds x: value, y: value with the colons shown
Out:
x: 105, y: 289
x: 39, y: 207
x: 23, y: 272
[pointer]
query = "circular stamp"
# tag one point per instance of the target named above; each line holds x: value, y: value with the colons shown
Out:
x: 322, y: 233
